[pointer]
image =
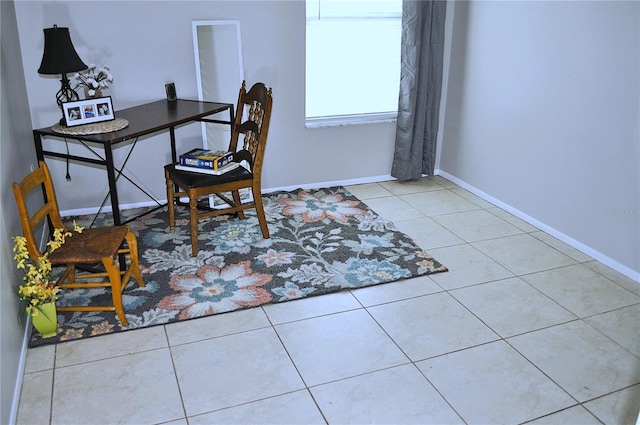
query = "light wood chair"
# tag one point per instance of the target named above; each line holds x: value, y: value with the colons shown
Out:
x: 93, y: 246
x: 254, y: 107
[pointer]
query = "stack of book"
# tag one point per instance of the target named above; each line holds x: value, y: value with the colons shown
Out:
x: 206, y: 161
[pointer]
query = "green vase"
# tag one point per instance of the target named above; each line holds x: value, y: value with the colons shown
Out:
x: 46, y: 321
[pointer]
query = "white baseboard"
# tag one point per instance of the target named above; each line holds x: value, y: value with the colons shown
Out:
x: 632, y: 274
x: 150, y: 203
x: 349, y: 182
x: 107, y: 208
x: 13, y: 417
x: 596, y: 255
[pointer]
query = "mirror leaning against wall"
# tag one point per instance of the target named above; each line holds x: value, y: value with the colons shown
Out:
x: 219, y: 71
x: 219, y: 74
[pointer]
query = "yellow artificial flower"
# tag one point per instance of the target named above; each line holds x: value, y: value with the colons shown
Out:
x: 37, y: 288
x: 77, y: 228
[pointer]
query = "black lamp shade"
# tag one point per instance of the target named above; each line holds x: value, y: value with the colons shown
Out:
x: 59, y: 57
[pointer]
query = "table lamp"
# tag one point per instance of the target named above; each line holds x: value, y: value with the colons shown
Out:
x: 60, y: 57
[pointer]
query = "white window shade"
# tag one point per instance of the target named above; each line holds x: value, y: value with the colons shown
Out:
x: 352, y: 61
x: 339, y: 9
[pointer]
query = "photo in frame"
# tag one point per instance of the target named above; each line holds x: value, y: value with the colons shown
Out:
x: 88, y: 111
x: 170, y: 89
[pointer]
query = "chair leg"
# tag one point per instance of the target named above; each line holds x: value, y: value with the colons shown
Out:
x: 71, y: 277
x: 262, y: 219
x: 237, y: 201
x: 170, y: 201
x: 132, y: 243
x: 113, y: 270
x: 193, y: 221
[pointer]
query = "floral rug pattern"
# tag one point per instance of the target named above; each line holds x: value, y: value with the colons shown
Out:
x: 321, y: 241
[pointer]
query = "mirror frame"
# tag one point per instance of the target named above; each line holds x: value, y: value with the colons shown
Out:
x: 224, y: 61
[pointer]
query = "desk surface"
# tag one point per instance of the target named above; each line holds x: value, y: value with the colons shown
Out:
x: 149, y: 118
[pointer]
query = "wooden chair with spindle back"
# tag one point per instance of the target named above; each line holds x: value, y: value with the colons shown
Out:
x: 254, y: 107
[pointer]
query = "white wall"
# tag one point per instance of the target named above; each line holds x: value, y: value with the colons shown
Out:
x: 149, y: 43
x: 542, y: 113
x: 15, y: 143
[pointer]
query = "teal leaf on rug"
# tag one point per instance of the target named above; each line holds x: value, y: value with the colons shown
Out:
x: 322, y: 241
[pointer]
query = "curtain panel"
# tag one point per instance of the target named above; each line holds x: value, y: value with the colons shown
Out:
x: 422, y: 52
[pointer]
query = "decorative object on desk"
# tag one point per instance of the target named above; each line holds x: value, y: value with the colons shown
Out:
x: 205, y: 158
x: 88, y: 111
x: 39, y: 293
x: 95, y: 128
x: 94, y: 80
x: 322, y: 241
x: 60, y: 57
x: 88, y: 95
x: 170, y: 89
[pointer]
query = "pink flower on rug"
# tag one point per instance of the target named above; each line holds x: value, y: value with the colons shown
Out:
x: 101, y: 328
x: 72, y: 334
x: 215, y: 290
x: 314, y: 208
x: 273, y: 257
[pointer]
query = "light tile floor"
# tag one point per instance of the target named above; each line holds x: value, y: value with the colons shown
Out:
x: 522, y: 329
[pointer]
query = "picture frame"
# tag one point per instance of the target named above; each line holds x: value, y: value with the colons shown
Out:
x: 88, y: 111
x: 170, y: 89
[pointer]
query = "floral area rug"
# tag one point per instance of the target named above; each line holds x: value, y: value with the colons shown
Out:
x: 322, y: 241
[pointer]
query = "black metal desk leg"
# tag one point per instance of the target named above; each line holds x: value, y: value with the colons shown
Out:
x: 113, y: 190
x: 174, y: 153
x: 37, y: 138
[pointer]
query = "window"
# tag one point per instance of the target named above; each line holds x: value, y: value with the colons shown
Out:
x: 352, y: 61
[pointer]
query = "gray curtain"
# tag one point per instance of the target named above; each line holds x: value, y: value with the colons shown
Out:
x: 420, y: 88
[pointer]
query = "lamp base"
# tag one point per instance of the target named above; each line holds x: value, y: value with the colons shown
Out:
x: 65, y: 94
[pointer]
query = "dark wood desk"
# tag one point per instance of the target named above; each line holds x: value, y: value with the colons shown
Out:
x: 143, y: 120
